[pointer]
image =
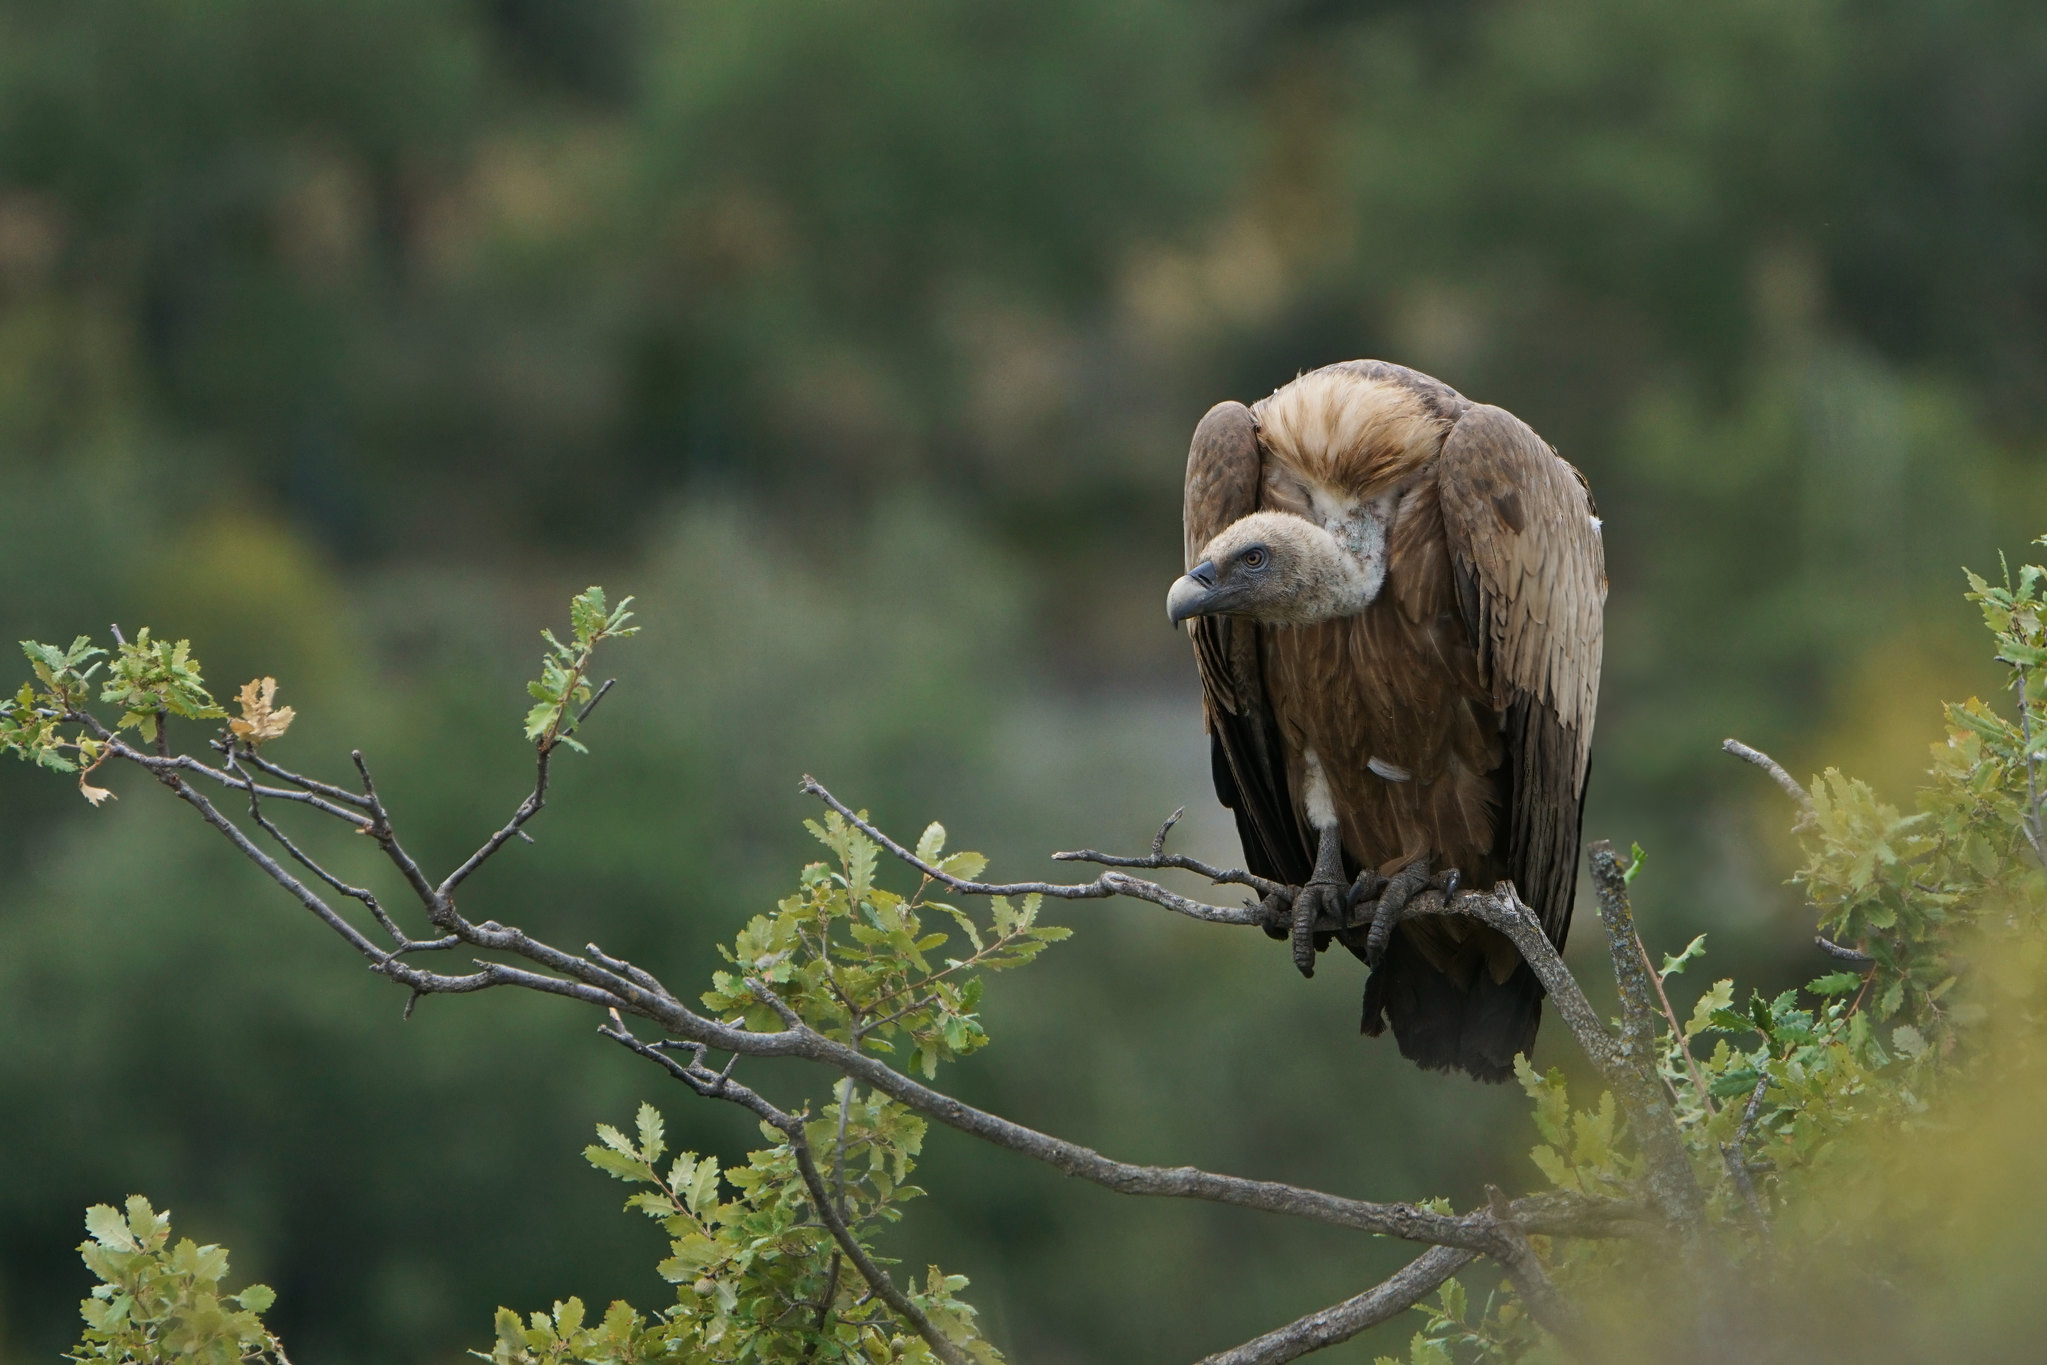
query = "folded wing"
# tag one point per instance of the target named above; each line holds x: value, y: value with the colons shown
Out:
x: 1525, y: 546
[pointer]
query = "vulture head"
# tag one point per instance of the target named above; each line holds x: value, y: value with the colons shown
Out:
x: 1277, y: 568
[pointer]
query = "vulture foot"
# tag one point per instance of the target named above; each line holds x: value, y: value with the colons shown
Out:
x: 1326, y: 894
x: 1392, y: 905
x: 1318, y: 900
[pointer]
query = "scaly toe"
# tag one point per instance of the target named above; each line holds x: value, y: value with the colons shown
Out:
x: 1382, y: 933
x: 1392, y: 905
x: 1306, y: 903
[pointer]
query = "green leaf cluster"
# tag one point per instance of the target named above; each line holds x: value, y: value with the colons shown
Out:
x: 564, y: 681
x: 149, y: 678
x: 158, y: 1303
x: 29, y: 720
x: 1498, y: 1330
x: 758, y: 1276
x: 862, y: 964
x: 1909, y: 889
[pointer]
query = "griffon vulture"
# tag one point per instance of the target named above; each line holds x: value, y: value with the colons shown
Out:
x: 1396, y: 597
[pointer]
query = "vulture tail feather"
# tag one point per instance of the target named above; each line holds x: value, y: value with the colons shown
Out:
x: 1441, y: 1026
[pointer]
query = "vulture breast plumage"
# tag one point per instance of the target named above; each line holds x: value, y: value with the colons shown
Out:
x: 1396, y: 597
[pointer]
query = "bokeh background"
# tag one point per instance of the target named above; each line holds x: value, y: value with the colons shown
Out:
x: 350, y: 337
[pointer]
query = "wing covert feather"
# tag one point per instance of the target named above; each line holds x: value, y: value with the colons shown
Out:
x: 1522, y: 532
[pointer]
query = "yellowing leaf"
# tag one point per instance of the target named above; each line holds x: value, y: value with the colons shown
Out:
x: 96, y: 795
x: 261, y: 718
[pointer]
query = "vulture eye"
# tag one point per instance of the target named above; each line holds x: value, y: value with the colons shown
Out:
x: 1254, y: 558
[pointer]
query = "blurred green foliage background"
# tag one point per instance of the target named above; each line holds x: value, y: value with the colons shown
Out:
x: 862, y: 343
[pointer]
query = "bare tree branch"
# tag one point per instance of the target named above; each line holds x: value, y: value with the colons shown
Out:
x: 252, y: 757
x: 635, y: 992
x: 185, y: 763
x: 168, y: 775
x: 1833, y: 949
x: 1101, y: 888
x: 436, y: 906
x: 530, y: 807
x: 1340, y: 1322
x: 1637, y: 1078
x: 403, y: 941
x: 1539, y: 1294
x: 1777, y: 774
x: 1158, y: 857
x: 1735, y: 1154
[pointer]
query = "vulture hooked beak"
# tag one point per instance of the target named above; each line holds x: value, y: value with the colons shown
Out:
x: 1193, y: 594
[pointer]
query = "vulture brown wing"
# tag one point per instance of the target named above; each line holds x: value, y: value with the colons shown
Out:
x: 1531, y: 580
x: 1223, y: 469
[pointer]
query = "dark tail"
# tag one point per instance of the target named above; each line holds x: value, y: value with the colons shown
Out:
x: 1442, y: 1026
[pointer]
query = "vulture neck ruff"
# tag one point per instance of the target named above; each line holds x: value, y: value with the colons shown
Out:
x: 1347, y: 435
x: 1341, y: 448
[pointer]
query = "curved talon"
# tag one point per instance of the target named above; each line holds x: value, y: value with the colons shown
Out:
x: 1392, y: 904
x: 1447, y: 881
x: 1366, y: 889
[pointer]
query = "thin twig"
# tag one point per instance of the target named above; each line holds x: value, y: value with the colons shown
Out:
x: 185, y: 763
x: 1735, y: 1154
x: 436, y: 906
x: 1677, y: 1032
x: 1833, y: 949
x: 269, y: 865
x: 1777, y: 774
x: 876, y: 1277
x: 390, y: 926
x: 1101, y: 888
x: 532, y: 805
x: 1159, y: 858
x: 327, y: 789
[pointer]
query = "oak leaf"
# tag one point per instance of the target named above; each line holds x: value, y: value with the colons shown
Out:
x: 261, y: 718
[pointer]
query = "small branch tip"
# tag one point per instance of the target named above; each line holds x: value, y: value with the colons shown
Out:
x: 1776, y: 771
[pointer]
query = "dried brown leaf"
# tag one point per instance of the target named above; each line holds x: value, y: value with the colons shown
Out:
x: 261, y: 718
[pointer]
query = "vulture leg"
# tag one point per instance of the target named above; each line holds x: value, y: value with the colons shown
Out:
x: 1392, y: 905
x: 1327, y: 893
